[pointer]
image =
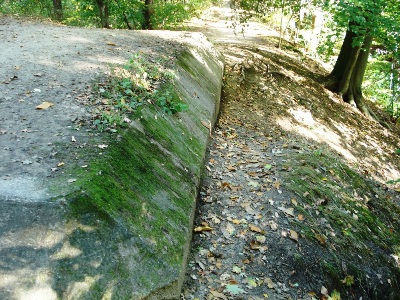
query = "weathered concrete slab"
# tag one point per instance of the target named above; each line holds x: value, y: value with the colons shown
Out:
x: 121, y: 228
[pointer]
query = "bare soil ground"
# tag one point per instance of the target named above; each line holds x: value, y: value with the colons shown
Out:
x: 286, y: 159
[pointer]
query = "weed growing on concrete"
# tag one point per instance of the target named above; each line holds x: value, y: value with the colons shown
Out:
x: 141, y: 81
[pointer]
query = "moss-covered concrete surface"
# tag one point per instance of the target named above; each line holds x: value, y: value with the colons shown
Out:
x: 120, y: 226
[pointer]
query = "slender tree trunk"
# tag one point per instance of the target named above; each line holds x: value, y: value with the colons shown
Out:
x: 104, y: 13
x: 281, y: 25
x: 58, y: 10
x: 147, y: 12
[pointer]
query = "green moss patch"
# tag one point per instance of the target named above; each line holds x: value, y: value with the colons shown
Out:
x: 140, y: 195
x: 353, y: 222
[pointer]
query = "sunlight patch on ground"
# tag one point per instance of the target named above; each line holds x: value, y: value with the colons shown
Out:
x: 23, y: 290
x: 35, y: 237
x: 307, y: 126
x: 67, y: 251
x: 345, y: 141
x: 77, y: 289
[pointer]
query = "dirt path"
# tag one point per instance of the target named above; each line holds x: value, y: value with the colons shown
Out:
x: 247, y: 242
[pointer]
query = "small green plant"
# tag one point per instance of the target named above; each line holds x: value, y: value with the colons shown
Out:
x: 108, y: 121
x: 169, y: 103
x: 334, y: 296
x: 348, y: 280
x: 141, y: 81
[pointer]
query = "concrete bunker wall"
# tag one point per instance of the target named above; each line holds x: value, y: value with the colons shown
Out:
x: 135, y: 209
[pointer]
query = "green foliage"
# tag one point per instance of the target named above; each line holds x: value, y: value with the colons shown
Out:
x: 126, y: 14
x: 334, y: 296
x: 139, y: 82
x: 27, y: 7
x: 381, y: 83
x: 169, y: 102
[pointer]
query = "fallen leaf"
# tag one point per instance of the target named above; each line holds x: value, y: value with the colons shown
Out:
x: 255, y: 245
x: 269, y: 283
x: 234, y: 289
x: 261, y: 238
x: 44, y: 105
x: 320, y: 238
x: 267, y: 166
x: 277, y: 185
x: 256, y: 229
x: 60, y: 164
x: 230, y: 229
x: 232, y: 281
x: 252, y: 283
x: 206, y: 124
x: 253, y: 183
x: 226, y: 185
x: 202, y: 228
x: 237, y: 222
x: 300, y: 217
x: 324, y: 291
x: 293, y: 235
x: 289, y: 211
x: 218, y: 295
x: 236, y: 270
x: 111, y: 44
x: 273, y: 225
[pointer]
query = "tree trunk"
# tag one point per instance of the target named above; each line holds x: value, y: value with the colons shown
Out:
x: 348, y: 73
x: 343, y: 57
x: 354, y: 92
x: 58, y: 10
x: 147, y: 12
x: 104, y: 13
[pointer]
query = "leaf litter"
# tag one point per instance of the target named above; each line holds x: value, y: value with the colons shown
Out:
x: 274, y: 241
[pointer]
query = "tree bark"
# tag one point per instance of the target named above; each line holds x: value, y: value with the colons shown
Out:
x: 343, y: 57
x: 58, y: 10
x: 147, y: 12
x: 104, y: 13
x: 348, y: 73
x: 354, y: 92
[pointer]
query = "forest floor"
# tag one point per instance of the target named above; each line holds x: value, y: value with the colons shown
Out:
x: 295, y: 202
